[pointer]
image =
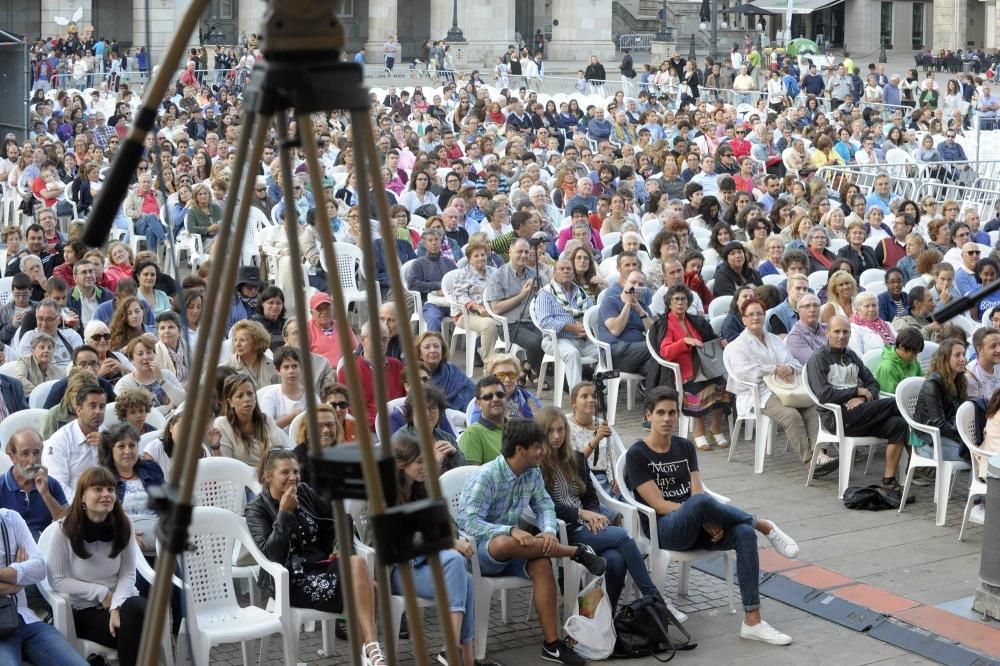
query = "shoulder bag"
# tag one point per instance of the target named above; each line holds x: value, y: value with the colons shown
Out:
x: 791, y: 394
x: 9, y: 619
x: 642, y: 631
x: 710, y: 359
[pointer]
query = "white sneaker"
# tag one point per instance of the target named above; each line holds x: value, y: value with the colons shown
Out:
x: 678, y: 613
x: 978, y: 514
x: 782, y: 543
x: 764, y: 632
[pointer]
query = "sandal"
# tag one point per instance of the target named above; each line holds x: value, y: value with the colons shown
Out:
x: 720, y: 440
x: 701, y: 443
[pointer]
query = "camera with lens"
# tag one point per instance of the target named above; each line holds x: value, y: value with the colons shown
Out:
x: 538, y: 238
x: 601, y: 377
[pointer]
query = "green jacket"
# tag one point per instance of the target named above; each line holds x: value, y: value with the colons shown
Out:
x: 891, y: 370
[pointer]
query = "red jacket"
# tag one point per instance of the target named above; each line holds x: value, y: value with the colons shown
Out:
x: 674, y: 349
x: 393, y: 374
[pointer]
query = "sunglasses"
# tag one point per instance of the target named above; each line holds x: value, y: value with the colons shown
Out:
x: 343, y: 404
x: 499, y: 395
x: 506, y: 375
x: 101, y: 336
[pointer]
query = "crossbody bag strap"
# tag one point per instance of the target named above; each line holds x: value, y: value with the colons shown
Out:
x: 6, y: 551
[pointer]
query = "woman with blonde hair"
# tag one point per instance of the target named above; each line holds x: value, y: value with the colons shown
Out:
x: 205, y: 216
x: 841, y: 289
x: 467, y: 308
x: 834, y: 221
x: 250, y: 342
x: 120, y: 264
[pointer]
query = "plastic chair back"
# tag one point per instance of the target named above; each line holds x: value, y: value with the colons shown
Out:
x: 222, y: 482
x: 26, y: 418
x: 452, y: 483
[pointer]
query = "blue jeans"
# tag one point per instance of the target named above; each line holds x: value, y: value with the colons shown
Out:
x: 682, y: 530
x: 434, y: 315
x: 950, y: 449
x: 149, y: 225
x: 457, y: 580
x: 616, y: 546
x: 39, y: 643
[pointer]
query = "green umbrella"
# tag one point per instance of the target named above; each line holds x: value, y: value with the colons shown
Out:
x: 801, y: 46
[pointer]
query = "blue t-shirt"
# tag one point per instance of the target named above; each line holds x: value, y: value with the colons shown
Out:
x: 31, y: 506
x: 612, y: 306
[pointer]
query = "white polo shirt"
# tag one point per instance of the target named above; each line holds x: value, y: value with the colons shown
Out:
x: 67, y: 454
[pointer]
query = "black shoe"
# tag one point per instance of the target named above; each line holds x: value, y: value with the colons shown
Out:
x: 561, y: 653
x: 594, y: 563
x: 487, y: 662
x: 404, y: 628
x: 477, y: 361
x: 340, y: 629
x: 822, y: 469
x: 890, y: 483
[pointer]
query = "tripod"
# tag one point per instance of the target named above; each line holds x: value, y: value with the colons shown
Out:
x: 301, y: 71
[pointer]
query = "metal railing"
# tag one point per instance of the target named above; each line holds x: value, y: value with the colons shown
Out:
x: 902, y: 183
x: 983, y: 199
x: 636, y: 42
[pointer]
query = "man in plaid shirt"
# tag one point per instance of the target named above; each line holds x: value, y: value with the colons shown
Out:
x: 492, y: 503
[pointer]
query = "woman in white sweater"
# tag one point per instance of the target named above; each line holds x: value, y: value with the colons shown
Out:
x: 91, y: 560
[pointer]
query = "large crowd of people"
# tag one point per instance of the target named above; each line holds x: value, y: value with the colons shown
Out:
x: 652, y: 225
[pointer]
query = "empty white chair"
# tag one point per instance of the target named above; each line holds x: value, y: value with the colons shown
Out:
x: 907, y: 392
x: 213, y: 615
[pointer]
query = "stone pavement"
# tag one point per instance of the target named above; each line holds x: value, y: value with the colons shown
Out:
x: 898, y: 564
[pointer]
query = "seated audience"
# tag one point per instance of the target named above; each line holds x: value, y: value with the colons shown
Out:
x: 481, y: 442
x: 38, y: 368
x: 756, y: 354
x: 27, y: 488
x: 937, y: 403
x: 662, y: 472
x: 391, y: 372
x: 456, y: 384
x: 590, y: 434
x: 982, y: 375
x: 492, y: 503
x: 287, y: 399
x: 568, y: 482
x: 836, y: 375
x: 679, y: 335
x: 293, y: 526
x: 868, y: 332
x: 135, y: 475
x: 919, y: 316
x: 72, y: 449
x: 167, y: 392
x: 561, y: 305
x: 91, y: 560
x: 446, y: 450
x: 893, y: 302
x: 250, y: 343
x: 247, y: 433
x: 899, y: 360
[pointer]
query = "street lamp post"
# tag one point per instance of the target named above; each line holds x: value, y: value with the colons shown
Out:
x: 455, y: 34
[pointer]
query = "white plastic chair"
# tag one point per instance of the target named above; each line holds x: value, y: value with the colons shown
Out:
x: 719, y: 306
x: 26, y: 418
x: 765, y: 430
x: 213, y: 615
x: 872, y: 276
x: 660, y: 558
x: 350, y: 267
x: 221, y: 483
x: 965, y: 421
x: 817, y: 280
x: 8, y: 369
x: 871, y: 359
x: 918, y: 281
x: 773, y: 279
x: 605, y: 363
x: 683, y: 422
x: 944, y: 479
x: 6, y: 290
x: 924, y: 357
x: 62, y: 611
x: 559, y: 371
x: 40, y: 394
x: 448, y: 289
x: 418, y: 299
x: 846, y: 444
x: 452, y: 483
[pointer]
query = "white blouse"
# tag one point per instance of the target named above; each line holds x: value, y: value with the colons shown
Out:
x: 751, y: 360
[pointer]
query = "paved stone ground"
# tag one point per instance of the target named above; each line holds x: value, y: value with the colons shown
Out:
x: 905, y: 554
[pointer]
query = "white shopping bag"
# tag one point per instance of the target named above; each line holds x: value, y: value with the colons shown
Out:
x: 594, y: 636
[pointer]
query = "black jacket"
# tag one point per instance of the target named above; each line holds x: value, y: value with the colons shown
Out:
x: 595, y: 73
x: 726, y: 279
x: 859, y: 262
x: 13, y: 394
x: 272, y: 529
x: 936, y: 408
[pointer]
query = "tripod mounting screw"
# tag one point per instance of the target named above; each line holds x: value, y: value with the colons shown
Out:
x: 412, y: 529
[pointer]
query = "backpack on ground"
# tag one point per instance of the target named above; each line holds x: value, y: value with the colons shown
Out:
x: 642, y: 631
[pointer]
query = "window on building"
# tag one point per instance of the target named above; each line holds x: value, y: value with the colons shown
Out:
x: 885, y: 25
x: 918, y: 26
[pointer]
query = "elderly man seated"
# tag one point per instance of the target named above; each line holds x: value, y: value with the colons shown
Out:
x: 560, y: 307
x: 836, y: 375
x: 47, y: 318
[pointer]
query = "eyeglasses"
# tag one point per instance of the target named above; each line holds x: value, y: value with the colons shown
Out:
x: 342, y: 404
x: 973, y: 253
x: 499, y: 395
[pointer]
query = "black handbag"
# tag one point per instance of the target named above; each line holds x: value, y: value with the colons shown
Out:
x: 9, y: 619
x: 642, y: 630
